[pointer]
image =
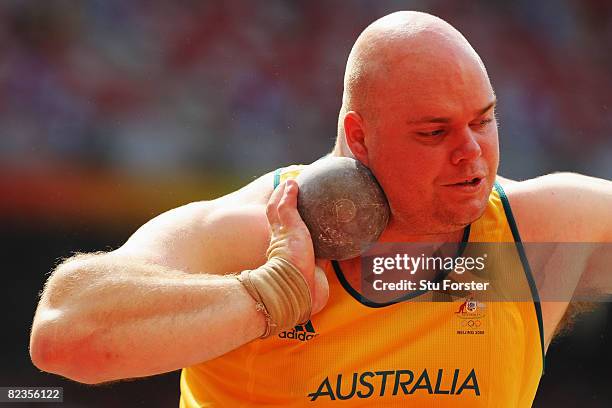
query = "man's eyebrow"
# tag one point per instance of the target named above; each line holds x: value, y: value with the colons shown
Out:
x: 433, y: 119
x: 487, y: 108
x: 428, y: 119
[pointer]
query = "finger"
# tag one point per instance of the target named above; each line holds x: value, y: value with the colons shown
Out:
x: 272, y: 207
x: 287, y: 207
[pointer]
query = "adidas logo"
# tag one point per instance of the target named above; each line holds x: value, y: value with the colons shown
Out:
x: 302, y: 332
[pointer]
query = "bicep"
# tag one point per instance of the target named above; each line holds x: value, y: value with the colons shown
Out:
x: 575, y: 211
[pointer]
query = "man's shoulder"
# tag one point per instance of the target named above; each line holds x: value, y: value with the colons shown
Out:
x: 558, y: 206
x: 550, y: 189
x: 244, y: 203
x: 255, y: 192
x: 204, y: 235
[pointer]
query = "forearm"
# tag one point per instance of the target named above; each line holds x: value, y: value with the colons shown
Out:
x: 103, y: 319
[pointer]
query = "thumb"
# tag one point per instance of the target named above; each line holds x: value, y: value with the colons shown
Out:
x: 287, y: 208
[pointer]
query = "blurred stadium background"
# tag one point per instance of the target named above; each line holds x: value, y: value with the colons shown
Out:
x: 113, y: 111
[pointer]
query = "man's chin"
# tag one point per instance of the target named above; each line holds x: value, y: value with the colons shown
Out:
x: 466, y: 213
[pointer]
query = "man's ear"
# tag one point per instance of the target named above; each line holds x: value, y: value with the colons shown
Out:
x: 355, y: 136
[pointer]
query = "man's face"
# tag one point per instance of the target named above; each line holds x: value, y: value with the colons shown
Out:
x: 433, y: 143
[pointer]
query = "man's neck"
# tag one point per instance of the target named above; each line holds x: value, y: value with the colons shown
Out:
x: 351, y: 268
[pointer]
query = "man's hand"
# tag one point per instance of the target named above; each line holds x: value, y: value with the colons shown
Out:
x: 290, y: 239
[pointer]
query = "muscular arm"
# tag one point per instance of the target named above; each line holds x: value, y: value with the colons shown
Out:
x: 567, y: 208
x: 161, y: 301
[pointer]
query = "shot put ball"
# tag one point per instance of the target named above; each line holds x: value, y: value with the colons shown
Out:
x: 343, y: 206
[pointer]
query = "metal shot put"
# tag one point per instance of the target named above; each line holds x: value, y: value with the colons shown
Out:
x: 343, y: 207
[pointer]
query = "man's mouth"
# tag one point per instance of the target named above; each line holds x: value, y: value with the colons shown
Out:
x: 470, y: 182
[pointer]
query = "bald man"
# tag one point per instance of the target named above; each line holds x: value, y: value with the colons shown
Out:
x: 229, y: 289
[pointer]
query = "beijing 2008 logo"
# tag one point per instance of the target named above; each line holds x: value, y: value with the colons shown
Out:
x: 471, y: 315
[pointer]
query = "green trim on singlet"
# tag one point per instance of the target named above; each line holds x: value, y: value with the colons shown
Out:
x: 277, y: 174
x: 521, y: 250
x: 370, y: 303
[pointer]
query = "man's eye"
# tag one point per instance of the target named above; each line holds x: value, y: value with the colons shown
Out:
x: 483, y: 122
x: 438, y: 132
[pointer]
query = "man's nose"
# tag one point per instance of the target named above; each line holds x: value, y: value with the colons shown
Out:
x: 467, y: 146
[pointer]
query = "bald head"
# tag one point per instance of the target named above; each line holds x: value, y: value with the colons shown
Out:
x: 401, y: 47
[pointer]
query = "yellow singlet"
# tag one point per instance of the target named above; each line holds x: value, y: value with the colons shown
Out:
x: 356, y: 352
